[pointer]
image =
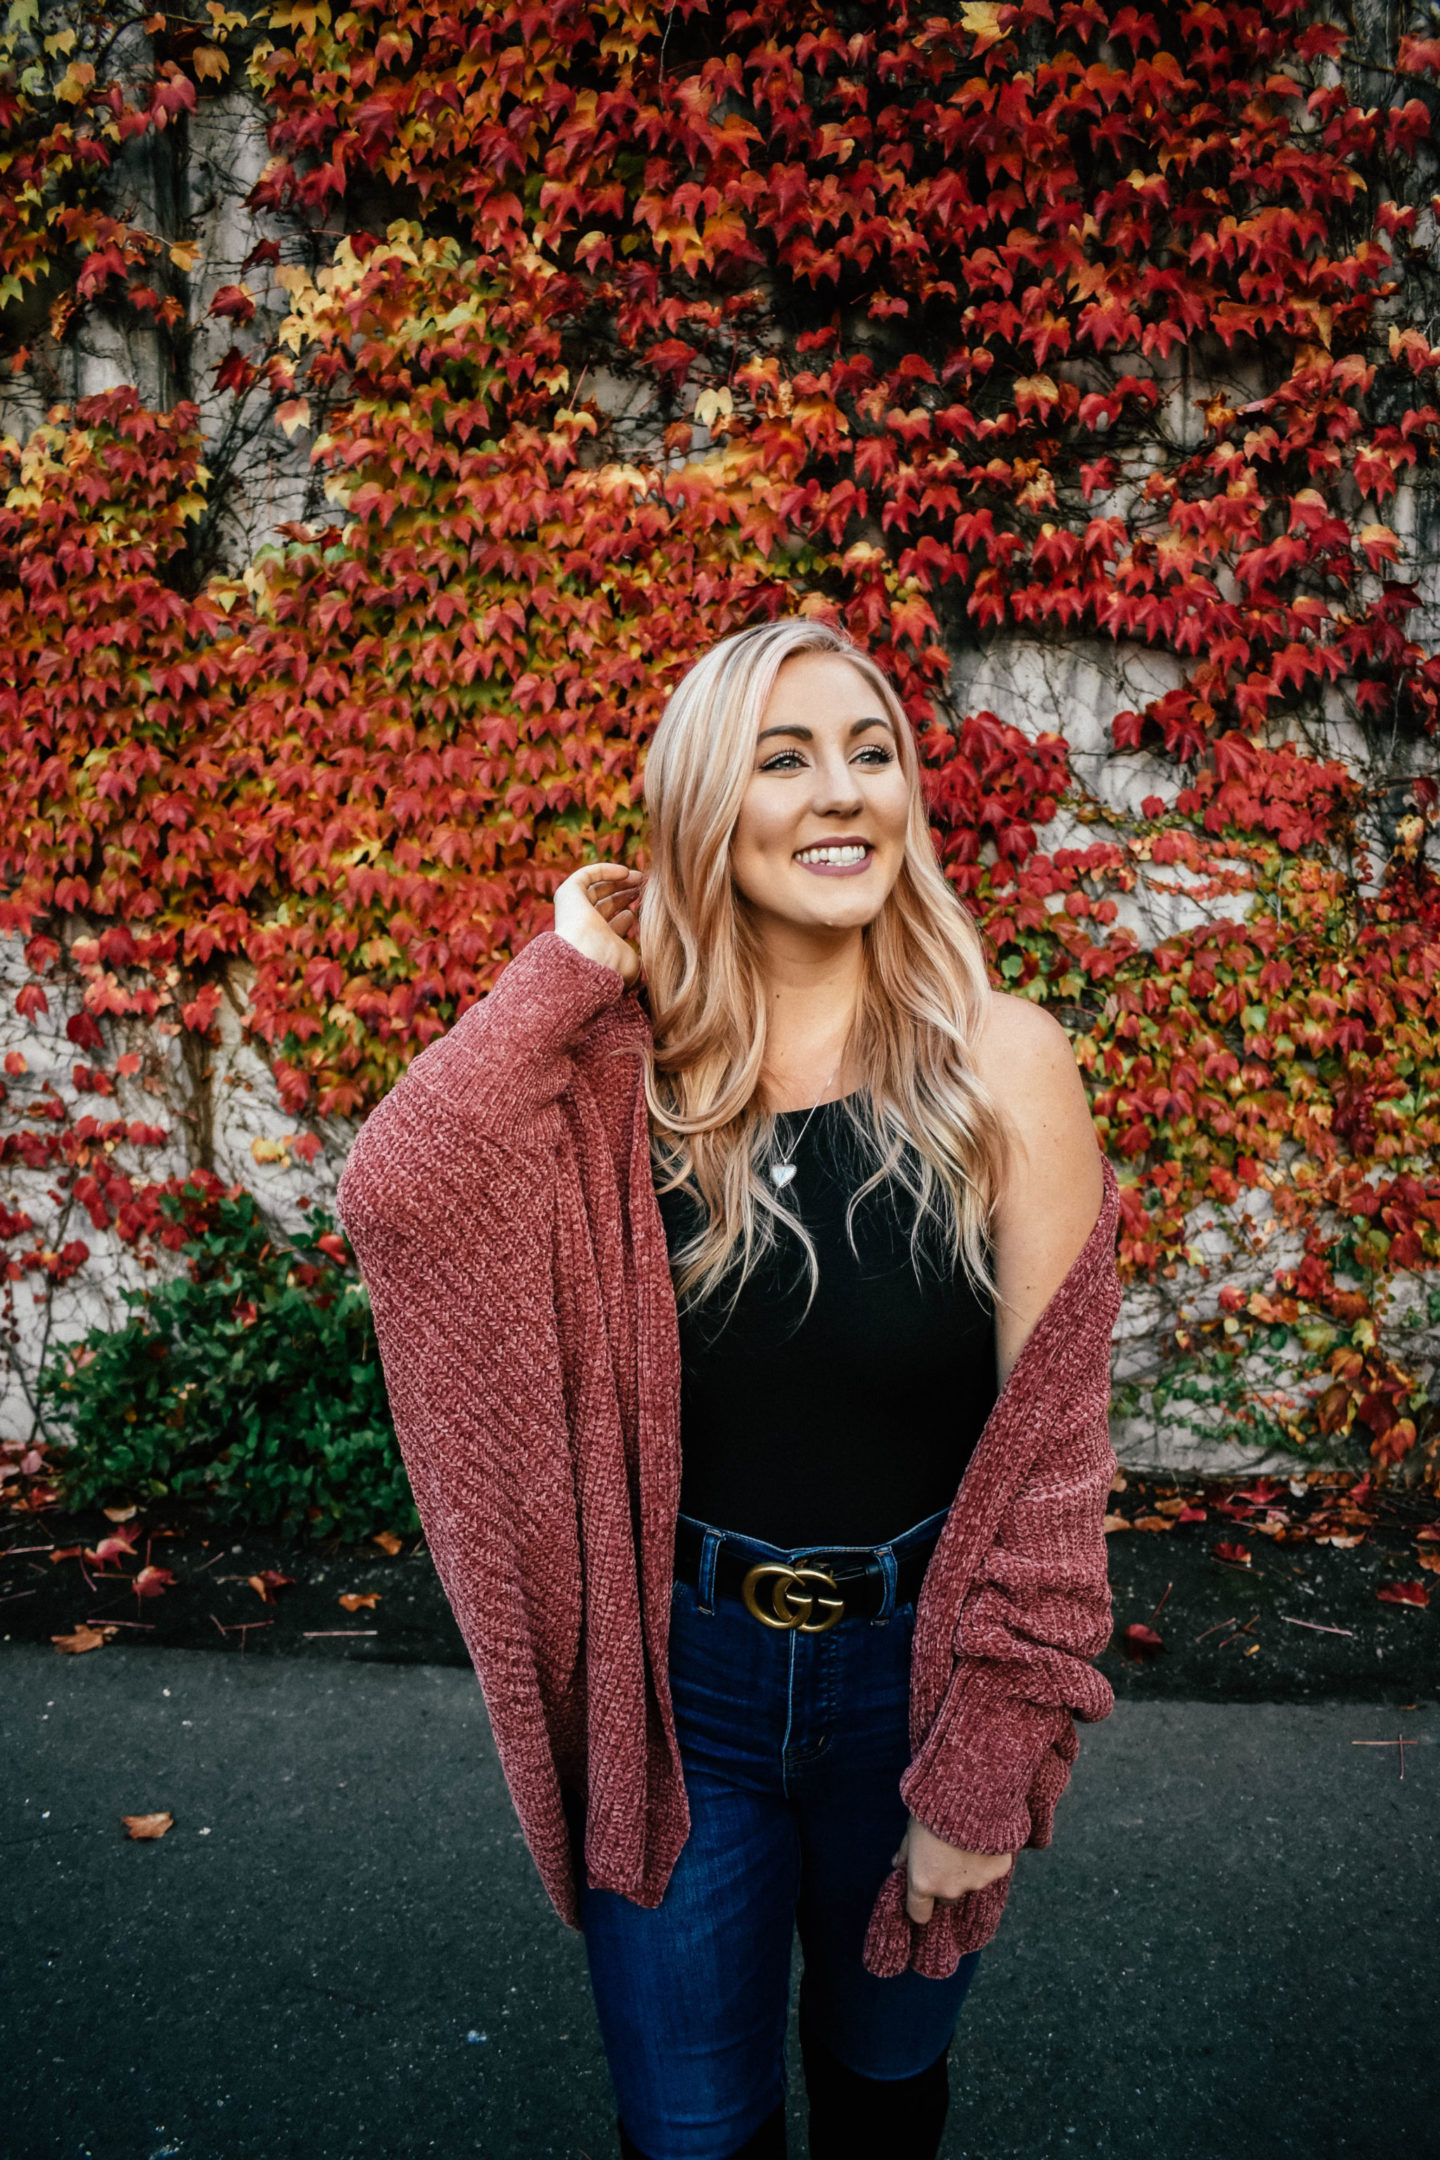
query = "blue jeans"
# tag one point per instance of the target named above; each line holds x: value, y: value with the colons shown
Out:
x: 793, y: 1747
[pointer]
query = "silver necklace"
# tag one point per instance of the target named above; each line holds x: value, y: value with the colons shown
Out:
x: 782, y: 1172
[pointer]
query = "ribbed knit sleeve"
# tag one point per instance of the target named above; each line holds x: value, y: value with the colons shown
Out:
x: 450, y: 1198
x: 1037, y: 1613
x: 1015, y: 1604
x: 454, y: 1238
x: 512, y: 1054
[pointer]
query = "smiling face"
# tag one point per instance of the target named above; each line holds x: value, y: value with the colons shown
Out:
x: 820, y: 838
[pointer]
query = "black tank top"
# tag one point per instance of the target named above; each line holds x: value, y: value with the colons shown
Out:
x: 853, y: 1422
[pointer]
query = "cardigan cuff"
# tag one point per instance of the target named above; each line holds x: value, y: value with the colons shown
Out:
x: 971, y: 1781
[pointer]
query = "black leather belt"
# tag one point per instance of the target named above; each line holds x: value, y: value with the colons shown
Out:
x: 811, y: 1596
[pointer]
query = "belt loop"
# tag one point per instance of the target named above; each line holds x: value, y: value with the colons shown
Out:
x: 890, y: 1572
x: 709, y: 1555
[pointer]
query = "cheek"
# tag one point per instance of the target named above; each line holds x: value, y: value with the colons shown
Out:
x: 890, y: 807
x: 762, y: 829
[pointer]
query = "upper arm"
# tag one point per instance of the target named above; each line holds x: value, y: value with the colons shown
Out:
x: 1054, y: 1189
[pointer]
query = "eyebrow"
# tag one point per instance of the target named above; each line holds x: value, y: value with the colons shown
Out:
x: 857, y: 727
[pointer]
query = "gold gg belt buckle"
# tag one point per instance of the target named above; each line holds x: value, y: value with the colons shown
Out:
x: 783, y: 1586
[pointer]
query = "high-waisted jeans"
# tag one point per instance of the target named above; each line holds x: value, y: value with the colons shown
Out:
x: 793, y: 1747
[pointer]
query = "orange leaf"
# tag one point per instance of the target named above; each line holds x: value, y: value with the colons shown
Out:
x: 267, y: 1582
x: 148, y: 1826
x: 388, y: 1542
x: 84, y: 1638
x: 354, y: 1600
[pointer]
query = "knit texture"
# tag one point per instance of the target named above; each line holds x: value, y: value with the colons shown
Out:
x: 501, y: 1204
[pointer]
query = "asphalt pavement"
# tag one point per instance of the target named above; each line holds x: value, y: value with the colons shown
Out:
x: 341, y: 1950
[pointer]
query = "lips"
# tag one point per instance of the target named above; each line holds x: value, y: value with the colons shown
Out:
x: 836, y: 858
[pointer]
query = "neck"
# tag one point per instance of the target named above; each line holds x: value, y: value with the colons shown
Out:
x: 811, y: 989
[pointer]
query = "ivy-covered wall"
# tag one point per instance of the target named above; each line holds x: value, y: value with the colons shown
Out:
x: 398, y: 398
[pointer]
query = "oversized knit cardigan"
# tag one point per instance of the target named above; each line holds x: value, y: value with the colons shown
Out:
x: 501, y: 1204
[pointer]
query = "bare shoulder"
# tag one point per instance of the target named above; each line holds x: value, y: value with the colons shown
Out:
x: 1018, y: 1023
x: 1055, y: 1185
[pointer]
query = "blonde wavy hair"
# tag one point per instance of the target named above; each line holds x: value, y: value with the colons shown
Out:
x: 921, y: 1115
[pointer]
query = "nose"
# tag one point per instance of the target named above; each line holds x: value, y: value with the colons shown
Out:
x: 834, y: 792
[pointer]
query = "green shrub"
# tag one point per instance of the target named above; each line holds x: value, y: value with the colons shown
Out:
x: 252, y: 1381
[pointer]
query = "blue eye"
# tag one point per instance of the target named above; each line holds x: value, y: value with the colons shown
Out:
x: 789, y: 760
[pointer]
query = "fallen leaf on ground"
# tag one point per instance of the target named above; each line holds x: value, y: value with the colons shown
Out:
x: 358, y: 1600
x: 1403, y: 1593
x: 66, y: 1552
x: 152, y: 1582
x: 1139, y: 1641
x: 121, y: 1546
x: 1253, y: 1650
x: 1191, y: 1514
x: 84, y: 1638
x: 1262, y: 1491
x: 1430, y: 1560
x: 390, y: 1543
x: 148, y: 1826
x: 267, y: 1582
x: 1342, y: 1544
x: 1171, y: 1507
x: 120, y: 1514
x: 1430, y: 1535
x: 1237, y: 1555
x: 1152, y: 1522
x: 1118, y: 1482
x: 1115, y: 1522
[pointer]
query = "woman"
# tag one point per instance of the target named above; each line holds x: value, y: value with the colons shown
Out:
x: 785, y: 1218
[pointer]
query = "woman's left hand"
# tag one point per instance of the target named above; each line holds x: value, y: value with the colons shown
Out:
x: 938, y: 1874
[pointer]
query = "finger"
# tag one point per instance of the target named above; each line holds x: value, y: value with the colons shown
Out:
x: 919, y: 1907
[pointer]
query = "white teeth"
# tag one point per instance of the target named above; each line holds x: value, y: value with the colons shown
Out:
x: 832, y: 855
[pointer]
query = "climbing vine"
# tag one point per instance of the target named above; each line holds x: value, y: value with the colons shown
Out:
x: 599, y: 329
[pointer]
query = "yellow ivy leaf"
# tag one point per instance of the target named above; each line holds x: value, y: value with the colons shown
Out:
x: 982, y: 19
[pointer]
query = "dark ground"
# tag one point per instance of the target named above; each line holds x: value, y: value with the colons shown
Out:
x: 341, y: 1950
x: 1385, y: 1652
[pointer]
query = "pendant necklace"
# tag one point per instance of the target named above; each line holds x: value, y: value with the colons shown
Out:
x: 782, y: 1172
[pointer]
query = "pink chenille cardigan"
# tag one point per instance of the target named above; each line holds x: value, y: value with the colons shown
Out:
x: 501, y: 1205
